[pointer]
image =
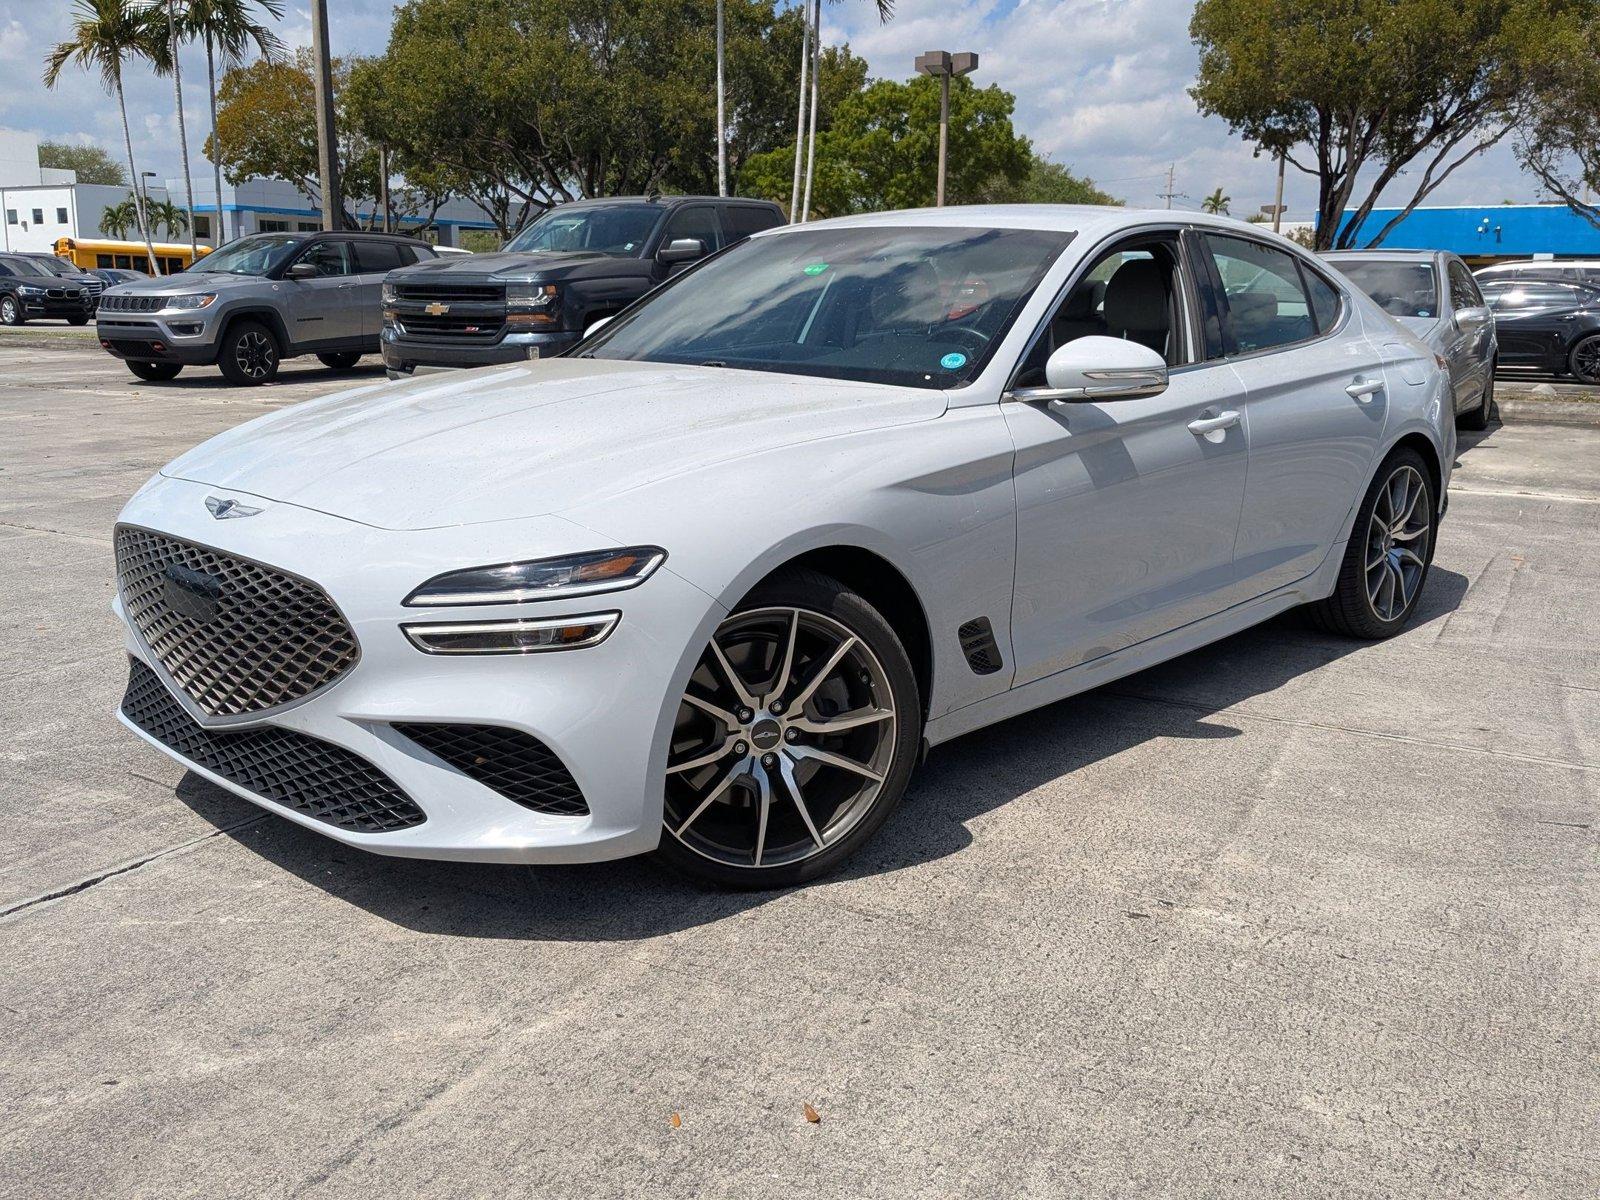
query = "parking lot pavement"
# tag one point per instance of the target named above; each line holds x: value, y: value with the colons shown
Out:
x: 1287, y: 916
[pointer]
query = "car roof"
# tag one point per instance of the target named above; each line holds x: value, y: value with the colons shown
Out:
x: 1387, y: 255
x: 1084, y: 219
x: 665, y: 201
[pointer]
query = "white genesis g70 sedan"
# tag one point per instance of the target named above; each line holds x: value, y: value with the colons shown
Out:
x: 711, y: 583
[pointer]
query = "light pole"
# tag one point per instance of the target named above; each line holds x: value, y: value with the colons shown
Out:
x: 722, y: 112
x: 945, y: 66
x: 327, y: 148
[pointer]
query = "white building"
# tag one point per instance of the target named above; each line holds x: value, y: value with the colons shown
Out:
x: 41, y: 204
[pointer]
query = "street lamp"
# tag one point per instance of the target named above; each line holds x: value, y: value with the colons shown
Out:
x: 946, y: 66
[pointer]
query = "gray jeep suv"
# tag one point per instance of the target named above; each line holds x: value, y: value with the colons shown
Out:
x: 257, y: 301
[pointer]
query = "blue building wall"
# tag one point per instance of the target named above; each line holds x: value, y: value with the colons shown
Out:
x: 1487, y: 231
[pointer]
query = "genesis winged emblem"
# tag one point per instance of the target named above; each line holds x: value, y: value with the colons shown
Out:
x: 224, y: 510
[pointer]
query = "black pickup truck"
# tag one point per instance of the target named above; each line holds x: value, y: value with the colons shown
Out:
x: 576, y: 264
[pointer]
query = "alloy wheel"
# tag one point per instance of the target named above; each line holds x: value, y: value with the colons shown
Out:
x: 1586, y: 360
x: 783, y: 740
x: 1398, y: 526
x: 8, y: 311
x: 255, y: 354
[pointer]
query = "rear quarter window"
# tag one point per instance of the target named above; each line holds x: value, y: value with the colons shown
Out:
x: 742, y: 220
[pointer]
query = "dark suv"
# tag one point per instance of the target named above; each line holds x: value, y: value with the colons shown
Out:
x: 257, y: 301
x: 30, y: 290
x: 575, y: 265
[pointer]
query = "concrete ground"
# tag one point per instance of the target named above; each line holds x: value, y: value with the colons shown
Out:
x: 1290, y: 916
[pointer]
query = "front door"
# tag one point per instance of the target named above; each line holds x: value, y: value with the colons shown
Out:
x: 323, y: 310
x: 1126, y: 510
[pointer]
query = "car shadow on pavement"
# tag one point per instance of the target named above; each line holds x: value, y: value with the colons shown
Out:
x: 291, y: 372
x: 962, y: 780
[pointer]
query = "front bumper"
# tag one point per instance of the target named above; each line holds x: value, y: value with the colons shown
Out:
x: 605, y: 711
x: 46, y: 308
x: 182, y: 338
x: 403, y: 353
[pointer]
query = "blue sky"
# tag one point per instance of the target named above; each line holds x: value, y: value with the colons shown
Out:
x: 1100, y: 85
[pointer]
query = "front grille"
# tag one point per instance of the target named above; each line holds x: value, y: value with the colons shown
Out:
x: 237, y: 636
x: 94, y: 285
x: 452, y: 293
x: 517, y: 765
x: 144, y: 304
x: 482, y: 325
x: 304, y: 773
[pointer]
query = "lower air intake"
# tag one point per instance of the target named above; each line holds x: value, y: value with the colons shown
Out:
x: 517, y: 765
x: 304, y: 773
x: 977, y: 643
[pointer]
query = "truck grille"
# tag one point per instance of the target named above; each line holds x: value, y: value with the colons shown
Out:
x: 293, y: 769
x: 143, y: 304
x: 484, y: 326
x: 452, y: 293
x: 237, y: 636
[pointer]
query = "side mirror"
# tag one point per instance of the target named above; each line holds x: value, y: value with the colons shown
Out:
x: 681, y: 250
x: 1099, y: 368
x: 301, y: 270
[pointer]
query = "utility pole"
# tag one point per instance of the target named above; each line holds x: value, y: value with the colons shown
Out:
x: 1172, y: 172
x: 1277, y: 202
x: 722, y: 114
x: 327, y: 147
x: 945, y: 66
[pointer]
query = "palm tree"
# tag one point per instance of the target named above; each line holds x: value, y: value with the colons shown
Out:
x: 117, y: 219
x: 166, y: 214
x: 811, y: 53
x: 228, y: 30
x: 174, y: 31
x: 105, y: 35
x: 1217, y: 203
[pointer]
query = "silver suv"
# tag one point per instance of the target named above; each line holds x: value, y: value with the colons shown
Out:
x: 257, y: 301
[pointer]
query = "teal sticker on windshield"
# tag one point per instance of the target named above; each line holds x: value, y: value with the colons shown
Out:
x: 953, y: 361
x: 815, y: 269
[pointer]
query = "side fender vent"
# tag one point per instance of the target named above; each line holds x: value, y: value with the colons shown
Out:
x: 977, y: 643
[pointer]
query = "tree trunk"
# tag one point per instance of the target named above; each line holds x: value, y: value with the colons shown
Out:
x: 811, y: 120
x: 800, y: 119
x: 133, y: 173
x: 216, y: 142
x: 183, y: 128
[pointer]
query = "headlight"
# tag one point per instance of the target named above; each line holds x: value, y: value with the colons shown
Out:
x: 514, y: 637
x: 542, y: 579
x: 389, y: 294
x: 29, y: 290
x: 197, y: 300
x: 533, y: 304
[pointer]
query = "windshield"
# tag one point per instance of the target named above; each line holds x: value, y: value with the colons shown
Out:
x: 254, y: 255
x: 54, y: 266
x: 918, y: 307
x: 26, y: 266
x: 607, y: 229
x: 1401, y: 289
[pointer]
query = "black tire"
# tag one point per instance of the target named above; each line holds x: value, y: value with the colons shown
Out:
x: 248, y: 355
x: 341, y: 361
x: 1583, y: 360
x: 1478, y: 418
x: 814, y: 593
x: 155, y: 372
x: 77, y: 320
x: 11, y: 311
x: 1352, y: 609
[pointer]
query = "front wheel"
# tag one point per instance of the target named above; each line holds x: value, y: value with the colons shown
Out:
x: 341, y: 361
x: 10, y: 311
x: 1386, y: 561
x: 1478, y: 418
x: 795, y: 738
x: 1584, y: 359
x: 248, y: 354
x: 155, y: 372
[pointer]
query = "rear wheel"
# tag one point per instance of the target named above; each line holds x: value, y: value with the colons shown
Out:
x: 1478, y: 418
x: 249, y: 354
x: 1584, y: 359
x: 341, y: 361
x: 794, y: 741
x: 156, y: 372
x: 10, y: 311
x: 1386, y: 561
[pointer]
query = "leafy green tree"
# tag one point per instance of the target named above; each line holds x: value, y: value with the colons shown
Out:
x: 1558, y: 138
x: 1045, y: 183
x: 1217, y: 202
x: 91, y: 163
x: 1358, y: 92
x: 882, y: 149
x: 106, y: 35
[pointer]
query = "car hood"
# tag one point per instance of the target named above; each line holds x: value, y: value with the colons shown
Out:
x: 185, y: 282
x: 505, y: 264
x: 529, y: 439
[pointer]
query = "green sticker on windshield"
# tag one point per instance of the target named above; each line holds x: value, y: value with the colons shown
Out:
x: 816, y: 268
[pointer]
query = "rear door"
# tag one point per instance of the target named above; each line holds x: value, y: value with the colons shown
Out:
x: 374, y: 260
x: 1315, y: 401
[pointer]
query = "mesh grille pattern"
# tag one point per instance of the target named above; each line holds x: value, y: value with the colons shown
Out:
x: 977, y: 643
x: 517, y: 765
x: 263, y: 639
x: 304, y: 773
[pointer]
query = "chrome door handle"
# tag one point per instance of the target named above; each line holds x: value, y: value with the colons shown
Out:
x: 1209, y: 425
x: 1364, y: 389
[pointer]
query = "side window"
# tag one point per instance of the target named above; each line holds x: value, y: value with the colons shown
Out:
x: 5, y: 270
x: 1266, y: 302
x: 329, y: 257
x: 742, y: 220
x: 1463, y: 290
x: 375, y: 257
x: 699, y: 221
x: 1324, y: 299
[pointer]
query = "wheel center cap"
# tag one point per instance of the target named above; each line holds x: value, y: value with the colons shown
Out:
x: 765, y: 734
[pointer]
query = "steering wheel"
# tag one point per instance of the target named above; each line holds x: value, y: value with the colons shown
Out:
x: 974, y: 337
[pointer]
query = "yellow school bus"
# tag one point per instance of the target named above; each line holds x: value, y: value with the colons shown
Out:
x: 129, y: 256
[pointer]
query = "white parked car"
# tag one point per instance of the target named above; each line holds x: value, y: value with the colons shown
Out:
x: 715, y: 580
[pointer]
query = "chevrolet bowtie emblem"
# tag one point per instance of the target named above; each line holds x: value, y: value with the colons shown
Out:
x: 436, y: 309
x: 224, y: 510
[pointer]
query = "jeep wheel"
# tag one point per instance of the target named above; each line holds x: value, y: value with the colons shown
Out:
x: 155, y: 372
x: 342, y: 361
x: 248, y: 354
